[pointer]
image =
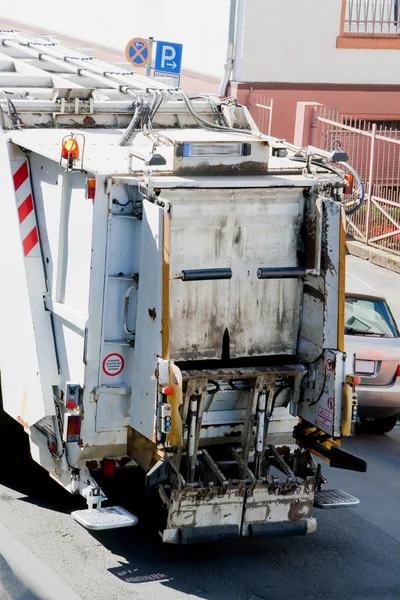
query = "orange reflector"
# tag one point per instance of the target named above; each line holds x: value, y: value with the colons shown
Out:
x: 109, y: 467
x: 168, y: 390
x: 70, y: 149
x: 91, y: 188
x: 74, y: 428
x: 348, y: 189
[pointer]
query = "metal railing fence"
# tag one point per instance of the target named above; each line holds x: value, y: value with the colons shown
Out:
x: 375, y: 153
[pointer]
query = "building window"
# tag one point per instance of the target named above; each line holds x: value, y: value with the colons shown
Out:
x: 373, y: 17
x: 370, y: 24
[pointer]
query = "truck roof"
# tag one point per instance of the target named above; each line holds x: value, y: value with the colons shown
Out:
x: 102, y: 154
x: 48, y: 93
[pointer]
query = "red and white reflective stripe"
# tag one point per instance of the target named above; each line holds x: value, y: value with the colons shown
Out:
x: 26, y: 212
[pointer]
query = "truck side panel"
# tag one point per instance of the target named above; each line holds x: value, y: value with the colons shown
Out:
x: 28, y: 361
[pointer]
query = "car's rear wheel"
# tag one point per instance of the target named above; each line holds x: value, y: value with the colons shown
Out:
x: 381, y: 424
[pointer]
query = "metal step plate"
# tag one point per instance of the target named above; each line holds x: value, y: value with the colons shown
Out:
x: 334, y: 499
x: 110, y: 517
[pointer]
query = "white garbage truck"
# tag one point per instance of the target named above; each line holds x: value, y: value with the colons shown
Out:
x: 172, y: 298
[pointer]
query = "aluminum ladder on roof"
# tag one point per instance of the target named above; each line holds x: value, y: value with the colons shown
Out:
x: 43, y: 77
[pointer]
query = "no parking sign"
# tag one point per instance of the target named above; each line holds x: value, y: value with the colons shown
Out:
x: 138, y: 52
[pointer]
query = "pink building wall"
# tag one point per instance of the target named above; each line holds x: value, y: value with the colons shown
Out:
x: 370, y: 102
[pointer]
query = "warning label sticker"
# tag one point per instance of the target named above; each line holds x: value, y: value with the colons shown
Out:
x: 113, y: 364
x: 325, y: 419
x: 329, y: 364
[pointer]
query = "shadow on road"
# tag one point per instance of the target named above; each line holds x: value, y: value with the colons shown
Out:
x: 11, y: 587
x: 325, y: 565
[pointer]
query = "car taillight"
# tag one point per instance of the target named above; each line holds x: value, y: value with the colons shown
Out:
x: 398, y: 371
x: 109, y: 466
x: 74, y: 428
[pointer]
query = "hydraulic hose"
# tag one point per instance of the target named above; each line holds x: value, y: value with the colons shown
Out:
x: 353, y: 210
x: 209, y: 125
x: 126, y: 136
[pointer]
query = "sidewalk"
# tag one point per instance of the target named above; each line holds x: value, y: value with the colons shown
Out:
x: 374, y: 255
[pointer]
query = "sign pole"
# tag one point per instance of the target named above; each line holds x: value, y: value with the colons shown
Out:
x: 148, y: 68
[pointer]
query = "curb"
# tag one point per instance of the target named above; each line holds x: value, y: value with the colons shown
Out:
x: 381, y: 258
x: 23, y: 572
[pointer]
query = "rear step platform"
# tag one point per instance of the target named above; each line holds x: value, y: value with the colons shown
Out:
x: 110, y: 517
x: 334, y: 499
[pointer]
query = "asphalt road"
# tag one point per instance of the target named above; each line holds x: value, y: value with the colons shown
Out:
x: 354, y: 555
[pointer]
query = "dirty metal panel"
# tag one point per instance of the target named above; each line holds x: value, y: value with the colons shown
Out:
x: 112, y: 408
x: 331, y: 268
x: 311, y: 337
x: 204, y: 507
x: 241, y: 230
x: 278, y: 503
x: 321, y: 406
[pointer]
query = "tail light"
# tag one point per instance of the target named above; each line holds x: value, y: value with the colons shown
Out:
x: 168, y: 390
x: 90, y: 188
x: 348, y: 189
x: 74, y: 428
x: 109, y: 466
x: 353, y: 379
x: 398, y: 371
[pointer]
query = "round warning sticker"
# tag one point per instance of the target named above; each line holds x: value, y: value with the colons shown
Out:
x: 113, y: 364
x: 329, y: 364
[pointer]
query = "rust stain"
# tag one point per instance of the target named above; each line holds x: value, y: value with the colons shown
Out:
x: 94, y: 397
x: 152, y: 313
x: 89, y: 121
x: 231, y: 433
x: 23, y: 423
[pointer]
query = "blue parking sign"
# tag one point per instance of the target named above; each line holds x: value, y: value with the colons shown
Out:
x: 168, y: 57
